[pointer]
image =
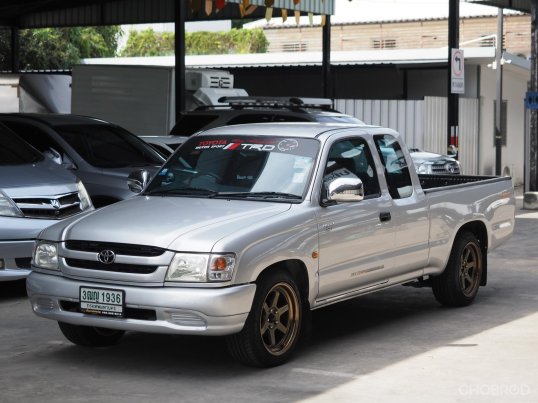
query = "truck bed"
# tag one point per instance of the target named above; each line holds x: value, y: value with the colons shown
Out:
x: 433, y: 182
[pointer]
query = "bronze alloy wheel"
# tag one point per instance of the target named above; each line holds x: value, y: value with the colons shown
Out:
x: 470, y: 269
x: 279, y: 319
x: 458, y: 284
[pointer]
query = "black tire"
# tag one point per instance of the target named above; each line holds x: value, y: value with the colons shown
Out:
x: 90, y: 336
x: 460, y: 281
x: 273, y: 326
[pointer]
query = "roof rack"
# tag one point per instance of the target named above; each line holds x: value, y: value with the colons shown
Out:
x: 277, y: 102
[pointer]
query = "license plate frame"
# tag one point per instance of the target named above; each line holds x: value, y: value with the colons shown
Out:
x: 102, y: 301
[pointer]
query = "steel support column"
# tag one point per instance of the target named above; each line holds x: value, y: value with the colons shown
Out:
x: 533, y: 146
x: 498, y: 93
x: 15, y: 50
x: 530, y: 199
x: 179, y: 20
x: 453, y: 99
x: 326, y: 59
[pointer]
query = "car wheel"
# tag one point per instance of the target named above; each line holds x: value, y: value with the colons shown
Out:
x: 272, y: 328
x: 460, y: 281
x: 90, y: 336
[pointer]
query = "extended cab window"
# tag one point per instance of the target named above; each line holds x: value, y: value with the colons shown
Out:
x: 396, y: 169
x: 352, y: 158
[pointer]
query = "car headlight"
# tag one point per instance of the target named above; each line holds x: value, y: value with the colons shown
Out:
x: 8, y: 207
x: 425, y: 168
x: 190, y: 267
x: 46, y: 255
x: 85, y: 201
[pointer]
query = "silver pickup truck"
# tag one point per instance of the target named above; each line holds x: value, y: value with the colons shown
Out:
x: 247, y: 228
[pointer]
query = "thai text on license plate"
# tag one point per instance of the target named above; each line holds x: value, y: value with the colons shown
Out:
x: 102, y: 301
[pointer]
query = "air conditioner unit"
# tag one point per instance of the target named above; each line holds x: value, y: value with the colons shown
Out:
x: 195, y: 79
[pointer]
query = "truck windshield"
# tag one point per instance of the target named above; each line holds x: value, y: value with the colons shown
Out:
x: 107, y: 146
x: 15, y: 151
x: 239, y: 167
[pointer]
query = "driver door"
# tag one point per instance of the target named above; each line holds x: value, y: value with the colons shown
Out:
x: 355, y: 238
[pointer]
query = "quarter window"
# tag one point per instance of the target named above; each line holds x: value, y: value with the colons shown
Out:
x: 396, y: 169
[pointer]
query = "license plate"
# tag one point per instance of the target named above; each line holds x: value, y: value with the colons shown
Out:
x: 102, y: 301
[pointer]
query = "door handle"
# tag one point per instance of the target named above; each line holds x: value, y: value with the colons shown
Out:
x: 384, y: 216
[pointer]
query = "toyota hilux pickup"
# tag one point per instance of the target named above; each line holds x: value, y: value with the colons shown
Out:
x: 246, y: 229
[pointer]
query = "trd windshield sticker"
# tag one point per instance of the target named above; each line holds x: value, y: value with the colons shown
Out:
x: 288, y: 145
x: 265, y: 144
x: 207, y: 144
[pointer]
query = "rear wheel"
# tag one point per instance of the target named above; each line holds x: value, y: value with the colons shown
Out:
x: 273, y: 326
x: 90, y: 336
x: 459, y: 283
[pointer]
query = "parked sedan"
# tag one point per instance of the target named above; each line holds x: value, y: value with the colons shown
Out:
x: 100, y: 153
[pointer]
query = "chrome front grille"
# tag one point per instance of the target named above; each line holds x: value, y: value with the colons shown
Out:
x: 52, y: 208
x: 446, y: 168
x: 118, y: 248
x: 114, y: 261
x: 114, y: 267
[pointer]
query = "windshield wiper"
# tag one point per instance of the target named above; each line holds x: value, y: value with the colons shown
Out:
x: 183, y: 192
x: 259, y: 195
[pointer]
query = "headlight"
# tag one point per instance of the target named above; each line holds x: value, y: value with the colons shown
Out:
x: 425, y: 168
x: 46, y: 255
x: 189, y: 267
x: 85, y: 201
x: 7, y: 207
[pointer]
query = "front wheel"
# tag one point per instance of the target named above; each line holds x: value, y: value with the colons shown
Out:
x: 273, y: 326
x: 90, y: 336
x: 460, y: 281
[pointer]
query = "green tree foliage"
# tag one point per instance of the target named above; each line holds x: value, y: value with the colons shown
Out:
x: 60, y: 48
x: 151, y: 43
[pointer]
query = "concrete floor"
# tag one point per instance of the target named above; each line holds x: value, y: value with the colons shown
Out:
x: 398, y: 345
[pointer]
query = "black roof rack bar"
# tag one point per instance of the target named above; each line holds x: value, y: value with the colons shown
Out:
x: 278, y: 101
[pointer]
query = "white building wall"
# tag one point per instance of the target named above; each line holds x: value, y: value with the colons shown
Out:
x: 514, y: 88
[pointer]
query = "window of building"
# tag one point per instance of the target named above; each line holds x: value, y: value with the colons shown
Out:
x: 383, y: 43
x: 294, y: 47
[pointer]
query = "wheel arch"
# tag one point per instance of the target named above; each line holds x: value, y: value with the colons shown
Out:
x: 297, y: 269
x: 479, y: 230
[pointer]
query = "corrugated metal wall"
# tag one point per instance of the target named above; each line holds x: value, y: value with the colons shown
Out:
x: 403, y: 116
x: 435, y: 127
x: 422, y: 123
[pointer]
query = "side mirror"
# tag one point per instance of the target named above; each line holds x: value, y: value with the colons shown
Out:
x: 345, y: 190
x: 138, y: 180
x: 54, y: 155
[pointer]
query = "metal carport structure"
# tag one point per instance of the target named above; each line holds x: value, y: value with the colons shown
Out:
x: 25, y: 14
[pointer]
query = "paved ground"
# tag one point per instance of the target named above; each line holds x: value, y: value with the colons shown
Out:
x: 394, y: 346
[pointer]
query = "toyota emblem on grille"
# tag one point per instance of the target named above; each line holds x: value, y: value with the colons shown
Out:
x: 55, y: 203
x: 106, y: 256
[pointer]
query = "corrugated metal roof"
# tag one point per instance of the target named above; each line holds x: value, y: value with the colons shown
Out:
x: 46, y: 13
x: 519, y: 5
x: 384, y: 11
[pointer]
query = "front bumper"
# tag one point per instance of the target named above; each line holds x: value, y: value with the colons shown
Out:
x: 16, y: 257
x: 198, y: 311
